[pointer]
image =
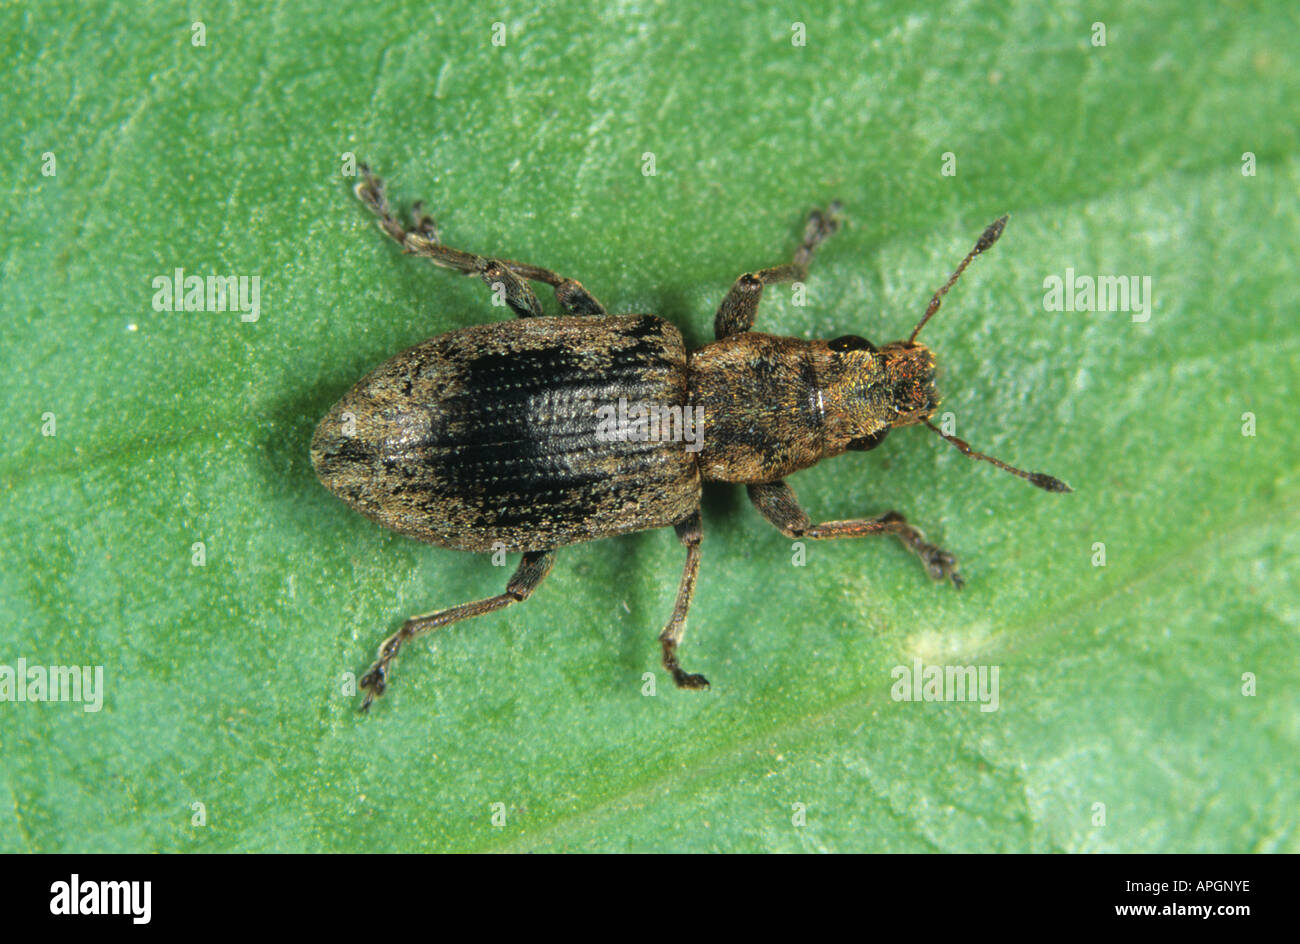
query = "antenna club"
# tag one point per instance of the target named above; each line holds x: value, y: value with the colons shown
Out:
x: 1048, y: 483
x: 991, y: 234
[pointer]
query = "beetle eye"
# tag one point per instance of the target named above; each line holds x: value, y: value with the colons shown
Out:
x: 851, y: 342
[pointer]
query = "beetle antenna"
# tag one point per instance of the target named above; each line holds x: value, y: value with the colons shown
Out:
x: 987, y: 239
x: 1041, y: 479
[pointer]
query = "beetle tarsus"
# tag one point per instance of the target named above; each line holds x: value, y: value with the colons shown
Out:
x: 681, y: 678
x: 821, y: 224
x: 940, y: 564
x: 423, y: 223
x: 689, y: 680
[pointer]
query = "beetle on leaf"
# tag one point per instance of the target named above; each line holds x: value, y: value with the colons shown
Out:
x: 491, y: 436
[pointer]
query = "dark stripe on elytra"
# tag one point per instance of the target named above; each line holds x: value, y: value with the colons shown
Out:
x: 495, y: 448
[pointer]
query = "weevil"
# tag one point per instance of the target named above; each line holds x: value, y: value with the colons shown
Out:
x: 501, y: 436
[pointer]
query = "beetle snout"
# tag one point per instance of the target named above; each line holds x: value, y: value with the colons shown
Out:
x: 914, y: 400
x: 911, y: 378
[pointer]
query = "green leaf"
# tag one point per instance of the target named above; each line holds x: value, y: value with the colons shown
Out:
x: 1121, y: 687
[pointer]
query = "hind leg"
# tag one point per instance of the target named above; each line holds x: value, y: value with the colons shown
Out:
x: 532, y: 570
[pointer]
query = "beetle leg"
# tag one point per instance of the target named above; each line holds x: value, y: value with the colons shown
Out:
x: 532, y: 569
x: 504, y: 276
x: 737, y: 312
x: 777, y: 503
x: 573, y: 297
x: 423, y: 223
x: 690, y: 532
x: 370, y: 191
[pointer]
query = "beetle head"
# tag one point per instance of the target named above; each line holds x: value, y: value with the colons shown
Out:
x: 902, y: 373
x: 867, y: 391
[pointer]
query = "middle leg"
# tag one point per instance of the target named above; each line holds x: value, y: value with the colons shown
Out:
x: 690, y: 532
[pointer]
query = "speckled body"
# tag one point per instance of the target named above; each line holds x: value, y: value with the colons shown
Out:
x: 488, y: 437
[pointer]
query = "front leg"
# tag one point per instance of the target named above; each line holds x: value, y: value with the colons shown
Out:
x: 777, y: 503
x: 737, y: 312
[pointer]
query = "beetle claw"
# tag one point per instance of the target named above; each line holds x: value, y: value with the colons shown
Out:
x: 940, y: 564
x: 373, y: 683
